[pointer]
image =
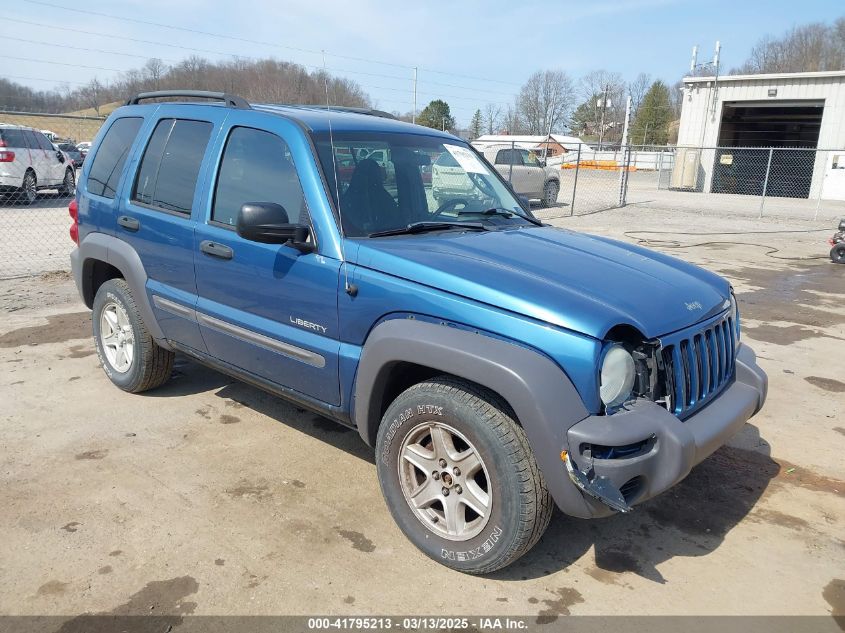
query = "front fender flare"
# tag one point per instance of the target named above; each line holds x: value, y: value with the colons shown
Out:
x: 539, y: 392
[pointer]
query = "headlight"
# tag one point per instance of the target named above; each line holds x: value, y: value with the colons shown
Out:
x: 735, y: 315
x: 617, y: 376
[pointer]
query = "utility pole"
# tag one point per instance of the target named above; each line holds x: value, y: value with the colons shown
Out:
x: 603, y: 109
x: 414, y: 113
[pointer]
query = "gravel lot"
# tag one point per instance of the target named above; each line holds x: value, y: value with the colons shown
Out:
x: 208, y: 496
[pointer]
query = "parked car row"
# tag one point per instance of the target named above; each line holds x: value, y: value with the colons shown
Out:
x: 30, y: 162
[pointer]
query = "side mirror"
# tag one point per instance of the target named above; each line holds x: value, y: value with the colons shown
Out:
x: 268, y: 223
x: 60, y: 156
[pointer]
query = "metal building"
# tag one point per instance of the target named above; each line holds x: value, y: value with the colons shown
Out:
x: 735, y: 131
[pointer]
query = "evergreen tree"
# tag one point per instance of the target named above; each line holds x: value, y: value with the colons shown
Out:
x: 476, y: 125
x: 437, y: 115
x: 651, y: 125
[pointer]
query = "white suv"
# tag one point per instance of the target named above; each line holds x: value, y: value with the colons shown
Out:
x: 29, y: 162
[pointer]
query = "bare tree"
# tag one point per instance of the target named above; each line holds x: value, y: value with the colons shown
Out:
x: 492, y: 114
x: 153, y: 71
x: 545, y: 101
x: 637, y: 90
x: 92, y: 93
x: 811, y: 47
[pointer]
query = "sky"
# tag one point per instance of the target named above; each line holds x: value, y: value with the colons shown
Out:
x: 469, y: 52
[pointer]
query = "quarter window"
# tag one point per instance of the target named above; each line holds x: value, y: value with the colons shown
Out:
x: 257, y: 166
x: 111, y: 156
x: 13, y: 138
x: 168, y: 174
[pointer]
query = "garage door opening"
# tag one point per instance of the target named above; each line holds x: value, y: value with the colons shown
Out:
x: 747, y: 126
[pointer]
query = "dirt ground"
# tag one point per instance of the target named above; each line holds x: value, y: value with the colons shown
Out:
x: 208, y: 496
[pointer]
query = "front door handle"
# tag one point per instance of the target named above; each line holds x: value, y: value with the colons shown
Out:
x: 216, y: 250
x: 128, y: 223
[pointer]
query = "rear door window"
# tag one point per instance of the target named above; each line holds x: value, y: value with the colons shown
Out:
x: 168, y: 174
x: 31, y: 139
x: 111, y: 156
x: 43, y: 142
x: 256, y: 167
x: 508, y: 157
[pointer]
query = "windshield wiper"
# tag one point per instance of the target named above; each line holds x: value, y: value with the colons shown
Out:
x: 503, y: 212
x: 422, y: 227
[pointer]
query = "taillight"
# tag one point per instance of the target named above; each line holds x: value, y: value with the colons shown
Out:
x: 2, y: 143
x: 6, y: 156
x: 73, y: 212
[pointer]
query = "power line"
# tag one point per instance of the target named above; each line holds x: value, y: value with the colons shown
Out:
x: 208, y: 51
x: 81, y: 48
x: 249, y: 41
x: 55, y: 81
x: 46, y: 61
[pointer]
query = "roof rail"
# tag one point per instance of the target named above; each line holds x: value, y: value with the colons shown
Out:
x: 350, y: 109
x: 231, y: 101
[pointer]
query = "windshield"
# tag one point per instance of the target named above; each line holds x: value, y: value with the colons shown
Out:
x: 389, y: 181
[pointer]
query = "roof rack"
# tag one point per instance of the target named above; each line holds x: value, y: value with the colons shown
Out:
x: 231, y: 101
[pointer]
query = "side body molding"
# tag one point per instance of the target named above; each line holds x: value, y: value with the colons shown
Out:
x: 542, y: 396
x: 103, y: 247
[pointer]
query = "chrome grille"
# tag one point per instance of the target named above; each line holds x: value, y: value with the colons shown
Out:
x: 699, y: 363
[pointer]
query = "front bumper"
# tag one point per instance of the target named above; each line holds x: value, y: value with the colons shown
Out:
x: 668, y: 447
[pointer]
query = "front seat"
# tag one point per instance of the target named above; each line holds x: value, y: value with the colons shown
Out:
x: 366, y: 204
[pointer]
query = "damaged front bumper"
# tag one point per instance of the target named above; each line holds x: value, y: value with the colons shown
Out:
x: 635, y: 454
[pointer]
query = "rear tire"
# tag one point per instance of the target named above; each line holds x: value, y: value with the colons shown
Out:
x: 29, y: 190
x: 68, y: 186
x: 130, y: 357
x: 550, y: 192
x: 837, y: 254
x: 497, y: 505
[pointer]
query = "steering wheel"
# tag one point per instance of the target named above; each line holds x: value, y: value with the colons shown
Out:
x: 451, y: 204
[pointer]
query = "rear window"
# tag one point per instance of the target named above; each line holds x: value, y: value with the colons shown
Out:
x: 111, y: 156
x: 168, y: 174
x: 12, y: 137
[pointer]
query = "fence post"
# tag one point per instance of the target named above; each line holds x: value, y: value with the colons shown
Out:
x: 575, y: 183
x: 659, y: 169
x: 766, y: 182
x: 821, y: 185
x: 626, y: 156
x: 510, y: 160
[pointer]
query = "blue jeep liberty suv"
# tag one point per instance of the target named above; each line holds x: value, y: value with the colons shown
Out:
x: 495, y: 364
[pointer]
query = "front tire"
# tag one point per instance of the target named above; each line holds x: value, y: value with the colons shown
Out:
x: 837, y: 254
x: 68, y: 186
x: 550, y: 192
x: 459, y: 477
x: 130, y: 357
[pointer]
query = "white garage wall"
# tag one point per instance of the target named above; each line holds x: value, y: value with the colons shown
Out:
x: 699, y: 125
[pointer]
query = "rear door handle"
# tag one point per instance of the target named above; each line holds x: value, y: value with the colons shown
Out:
x: 216, y: 250
x: 130, y: 224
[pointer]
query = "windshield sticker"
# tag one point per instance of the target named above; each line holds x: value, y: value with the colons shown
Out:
x: 466, y: 159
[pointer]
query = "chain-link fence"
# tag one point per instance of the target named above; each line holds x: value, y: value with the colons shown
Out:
x: 40, y: 155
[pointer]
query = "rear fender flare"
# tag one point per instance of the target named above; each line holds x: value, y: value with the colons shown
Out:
x: 103, y: 247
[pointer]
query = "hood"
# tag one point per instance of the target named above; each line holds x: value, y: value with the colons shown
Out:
x: 576, y: 281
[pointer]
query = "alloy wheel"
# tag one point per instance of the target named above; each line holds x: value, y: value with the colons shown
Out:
x: 117, y: 337
x: 445, y: 481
